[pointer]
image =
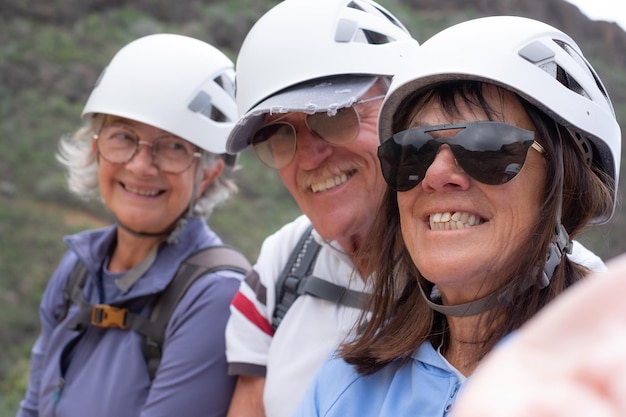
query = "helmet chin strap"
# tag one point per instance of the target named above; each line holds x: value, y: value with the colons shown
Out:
x: 561, y: 243
x: 141, y: 234
x: 466, y: 309
x: 503, y: 296
x: 130, y: 277
x: 559, y: 246
x: 172, y: 239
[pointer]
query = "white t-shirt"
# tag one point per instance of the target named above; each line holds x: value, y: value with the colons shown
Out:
x: 308, y: 333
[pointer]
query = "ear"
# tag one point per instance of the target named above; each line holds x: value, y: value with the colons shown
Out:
x: 211, y: 174
x: 94, y: 147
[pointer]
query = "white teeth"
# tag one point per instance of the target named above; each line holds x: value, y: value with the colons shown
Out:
x: 453, y: 220
x: 145, y: 193
x: 329, y: 183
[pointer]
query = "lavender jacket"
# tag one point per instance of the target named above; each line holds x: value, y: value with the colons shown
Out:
x: 107, y: 374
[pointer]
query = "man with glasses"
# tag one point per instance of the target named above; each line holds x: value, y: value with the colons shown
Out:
x: 311, y: 76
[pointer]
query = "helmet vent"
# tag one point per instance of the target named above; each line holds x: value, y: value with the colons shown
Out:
x: 216, y: 115
x: 375, y: 38
x: 567, y: 80
x: 373, y: 8
x: 226, y: 83
x: 348, y: 31
x: 203, y: 105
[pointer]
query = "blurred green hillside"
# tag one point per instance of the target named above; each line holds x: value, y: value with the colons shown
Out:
x: 50, y: 56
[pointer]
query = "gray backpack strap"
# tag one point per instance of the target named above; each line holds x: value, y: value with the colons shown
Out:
x: 296, y: 279
x: 205, y: 261
x: 332, y: 292
x: 73, y: 291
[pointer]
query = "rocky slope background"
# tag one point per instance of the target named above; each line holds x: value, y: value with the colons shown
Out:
x: 51, y: 53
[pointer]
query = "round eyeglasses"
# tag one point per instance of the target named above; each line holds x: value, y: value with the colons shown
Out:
x: 118, y: 145
x: 275, y: 144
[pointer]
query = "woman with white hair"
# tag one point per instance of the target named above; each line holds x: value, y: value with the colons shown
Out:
x: 152, y: 150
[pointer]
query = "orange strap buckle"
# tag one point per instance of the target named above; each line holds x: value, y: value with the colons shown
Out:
x: 103, y: 315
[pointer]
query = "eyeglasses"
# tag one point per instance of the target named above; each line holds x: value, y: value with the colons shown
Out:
x: 275, y: 144
x: 118, y: 145
x: 492, y: 153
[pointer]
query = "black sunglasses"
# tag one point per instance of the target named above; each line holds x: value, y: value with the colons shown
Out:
x: 492, y: 153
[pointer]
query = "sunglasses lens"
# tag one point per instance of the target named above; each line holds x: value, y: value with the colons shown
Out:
x: 275, y: 144
x: 340, y: 129
x: 405, y: 158
x: 492, y: 153
x: 493, y: 167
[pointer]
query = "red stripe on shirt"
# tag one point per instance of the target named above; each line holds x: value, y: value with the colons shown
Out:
x: 246, y: 307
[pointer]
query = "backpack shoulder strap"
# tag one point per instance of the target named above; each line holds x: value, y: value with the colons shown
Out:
x: 297, y: 279
x: 72, y: 293
x: 326, y: 290
x: 205, y: 261
x: 299, y: 265
x: 152, y: 329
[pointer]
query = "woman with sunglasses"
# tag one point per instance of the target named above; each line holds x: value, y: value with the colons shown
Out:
x: 156, y: 127
x: 500, y: 145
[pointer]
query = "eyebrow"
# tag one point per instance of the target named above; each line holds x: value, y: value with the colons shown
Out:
x: 131, y: 125
x: 120, y: 124
x: 277, y: 119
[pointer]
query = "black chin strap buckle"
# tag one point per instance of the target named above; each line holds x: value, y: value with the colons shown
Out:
x: 559, y: 246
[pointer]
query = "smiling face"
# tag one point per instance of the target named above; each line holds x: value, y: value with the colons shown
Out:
x: 338, y: 187
x: 138, y: 192
x: 462, y: 234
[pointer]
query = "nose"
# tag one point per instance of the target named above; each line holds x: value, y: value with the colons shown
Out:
x: 143, y: 159
x: 311, y: 150
x: 445, y: 174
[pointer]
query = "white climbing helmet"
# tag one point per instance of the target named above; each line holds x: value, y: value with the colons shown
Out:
x: 173, y: 82
x: 300, y: 41
x: 524, y: 56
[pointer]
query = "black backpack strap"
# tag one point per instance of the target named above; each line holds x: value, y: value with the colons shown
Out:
x: 296, y: 279
x: 299, y: 265
x: 205, y: 261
